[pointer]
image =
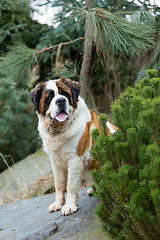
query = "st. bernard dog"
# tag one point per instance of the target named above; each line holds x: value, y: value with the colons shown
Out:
x: 65, y: 125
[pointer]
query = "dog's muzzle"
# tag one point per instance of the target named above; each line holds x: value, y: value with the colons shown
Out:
x: 62, y: 113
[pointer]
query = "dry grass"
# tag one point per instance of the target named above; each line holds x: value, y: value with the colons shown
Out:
x: 44, y: 184
x: 41, y: 186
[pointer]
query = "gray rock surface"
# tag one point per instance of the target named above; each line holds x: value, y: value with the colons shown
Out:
x: 29, y: 220
x: 20, y: 177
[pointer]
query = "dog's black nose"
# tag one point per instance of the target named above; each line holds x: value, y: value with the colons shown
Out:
x: 61, y: 101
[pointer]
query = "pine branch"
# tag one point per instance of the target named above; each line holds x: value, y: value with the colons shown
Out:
x: 19, y: 59
x: 60, y: 44
x: 111, y: 32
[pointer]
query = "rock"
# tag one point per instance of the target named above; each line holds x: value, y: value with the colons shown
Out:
x: 43, y: 233
x: 19, y: 179
x: 29, y: 219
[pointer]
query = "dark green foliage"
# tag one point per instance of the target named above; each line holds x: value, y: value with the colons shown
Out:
x: 17, y: 125
x: 18, y: 135
x: 16, y: 23
x: 17, y: 70
x: 127, y: 183
x: 18, y: 28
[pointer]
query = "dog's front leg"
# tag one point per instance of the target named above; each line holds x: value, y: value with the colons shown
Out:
x: 75, y: 170
x: 60, y: 187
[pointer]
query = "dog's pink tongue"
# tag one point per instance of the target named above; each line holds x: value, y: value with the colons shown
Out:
x: 61, y: 117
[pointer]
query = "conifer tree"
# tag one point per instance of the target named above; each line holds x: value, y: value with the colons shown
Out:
x: 110, y: 33
x: 17, y: 125
x: 128, y: 182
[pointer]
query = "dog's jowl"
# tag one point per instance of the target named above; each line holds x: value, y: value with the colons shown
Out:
x: 65, y: 125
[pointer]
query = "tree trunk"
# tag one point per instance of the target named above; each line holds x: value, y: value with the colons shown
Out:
x: 85, y: 68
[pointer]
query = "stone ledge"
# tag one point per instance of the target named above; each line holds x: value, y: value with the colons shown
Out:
x: 29, y: 220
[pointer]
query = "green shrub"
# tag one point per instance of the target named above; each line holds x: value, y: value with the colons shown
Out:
x: 17, y: 127
x: 128, y: 182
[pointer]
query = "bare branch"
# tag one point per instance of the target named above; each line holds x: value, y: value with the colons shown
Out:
x: 60, y: 44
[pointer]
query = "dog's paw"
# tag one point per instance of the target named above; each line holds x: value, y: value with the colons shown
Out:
x: 90, y: 191
x: 69, y: 208
x: 57, y: 205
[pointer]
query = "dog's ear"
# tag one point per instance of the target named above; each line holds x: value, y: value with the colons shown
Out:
x: 75, y: 89
x: 36, y: 94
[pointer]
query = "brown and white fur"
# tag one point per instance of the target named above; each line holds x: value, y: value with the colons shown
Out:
x: 65, y: 125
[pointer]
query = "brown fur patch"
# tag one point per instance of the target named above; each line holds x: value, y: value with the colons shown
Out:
x: 84, y: 142
x: 95, y: 119
x: 42, y: 109
x: 94, y: 165
x: 36, y: 97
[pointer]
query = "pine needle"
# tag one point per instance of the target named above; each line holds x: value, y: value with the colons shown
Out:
x: 17, y: 61
x: 143, y: 17
x: 111, y: 32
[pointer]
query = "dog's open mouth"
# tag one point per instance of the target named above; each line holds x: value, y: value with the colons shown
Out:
x: 60, y: 117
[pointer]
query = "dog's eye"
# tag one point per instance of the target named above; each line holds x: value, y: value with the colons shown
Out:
x: 49, y: 97
x: 66, y: 94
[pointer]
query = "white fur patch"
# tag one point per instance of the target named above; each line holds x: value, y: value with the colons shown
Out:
x: 110, y: 127
x: 51, y: 84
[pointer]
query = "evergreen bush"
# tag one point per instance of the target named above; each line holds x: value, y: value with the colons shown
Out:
x: 128, y: 181
x: 17, y: 123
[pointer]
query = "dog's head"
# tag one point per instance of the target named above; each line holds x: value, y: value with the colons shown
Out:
x: 56, y: 101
